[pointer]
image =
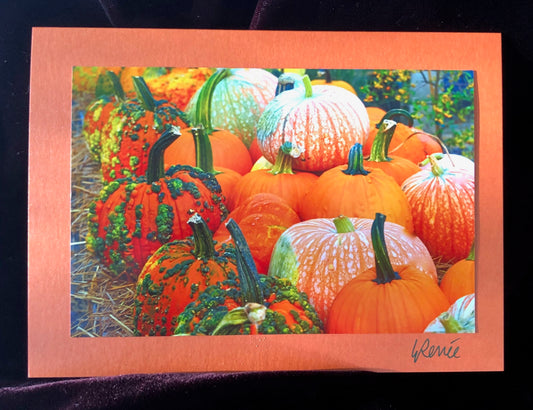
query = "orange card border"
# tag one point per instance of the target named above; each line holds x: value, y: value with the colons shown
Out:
x: 51, y: 350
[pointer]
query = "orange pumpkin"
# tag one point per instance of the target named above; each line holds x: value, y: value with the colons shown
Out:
x: 397, y: 167
x: 460, y: 278
x: 442, y: 203
x: 356, y: 192
x: 280, y: 180
x: 384, y: 299
x: 323, y: 120
x: 327, y: 80
x: 262, y: 218
x: 407, y: 141
x: 228, y: 150
x: 319, y: 256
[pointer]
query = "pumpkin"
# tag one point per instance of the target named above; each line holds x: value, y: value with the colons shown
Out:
x: 97, y: 114
x: 450, y: 161
x: 460, y: 278
x: 131, y: 130
x: 319, y: 256
x: 280, y: 180
x: 133, y: 217
x: 327, y: 80
x: 355, y: 191
x: 175, y: 275
x: 325, y: 121
x: 397, y: 167
x: 228, y: 151
x: 459, y: 318
x: 375, y: 114
x: 238, y: 101
x: 179, y: 84
x: 383, y: 299
x: 248, y: 303
x: 262, y: 218
x: 407, y: 141
x: 442, y: 204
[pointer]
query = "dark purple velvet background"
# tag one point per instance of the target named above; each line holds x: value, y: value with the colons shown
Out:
x: 271, y: 389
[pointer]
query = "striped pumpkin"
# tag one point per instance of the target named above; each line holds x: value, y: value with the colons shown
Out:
x: 319, y: 256
x: 324, y: 120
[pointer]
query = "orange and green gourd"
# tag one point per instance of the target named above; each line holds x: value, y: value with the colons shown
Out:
x: 442, y: 202
x: 460, y: 278
x: 280, y: 180
x: 228, y: 150
x: 92, y: 80
x: 135, y: 216
x: 248, y: 303
x: 407, y: 142
x: 397, y: 167
x: 131, y: 130
x: 384, y: 299
x: 175, y: 275
x: 319, y: 256
x: 238, y: 101
x: 355, y: 191
x: 323, y: 120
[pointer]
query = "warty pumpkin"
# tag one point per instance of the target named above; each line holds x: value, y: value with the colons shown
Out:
x: 319, y: 256
x: 325, y: 121
x: 133, y: 217
x: 383, y: 299
x: 442, y: 202
x: 175, y: 275
x: 355, y: 191
x: 248, y: 303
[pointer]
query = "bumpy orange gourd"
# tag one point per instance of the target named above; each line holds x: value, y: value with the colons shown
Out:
x: 383, y: 299
x: 175, y: 275
x: 442, y: 203
x: 460, y: 278
x: 355, y: 191
x: 323, y: 120
x: 319, y: 256
x: 133, y: 217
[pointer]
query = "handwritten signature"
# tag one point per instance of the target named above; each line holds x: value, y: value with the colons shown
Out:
x: 429, y: 350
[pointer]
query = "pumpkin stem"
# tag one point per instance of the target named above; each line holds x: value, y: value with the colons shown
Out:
x: 204, y: 247
x: 384, y: 270
x: 355, y: 161
x: 118, y: 91
x: 156, y: 163
x: 204, y: 151
x: 380, y: 147
x: 436, y: 169
x: 308, y: 86
x: 286, y: 82
x: 472, y: 254
x: 343, y: 224
x: 251, y: 289
x: 396, y: 112
x: 283, y: 163
x: 326, y: 74
x: 201, y: 115
x: 230, y: 324
x: 451, y: 324
x: 143, y: 93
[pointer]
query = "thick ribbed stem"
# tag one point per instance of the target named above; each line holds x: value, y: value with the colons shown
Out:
x: 450, y: 324
x: 118, y: 91
x: 380, y: 147
x: 143, y: 93
x: 204, y: 247
x: 355, y: 161
x: 156, y: 157
x: 283, y: 163
x: 397, y: 112
x: 204, y: 151
x: 308, y: 86
x: 201, y: 116
x: 343, y: 224
x: 384, y: 270
x: 436, y: 169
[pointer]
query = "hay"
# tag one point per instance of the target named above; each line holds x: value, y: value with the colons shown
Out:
x: 101, y: 305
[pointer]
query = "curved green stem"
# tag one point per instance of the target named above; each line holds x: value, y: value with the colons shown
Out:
x: 379, y: 152
x: 230, y: 324
x: 343, y: 224
x: 472, y: 254
x: 355, y: 161
x: 308, y: 86
x: 450, y: 324
x: 283, y: 163
x: 143, y: 93
x: 397, y: 112
x: 118, y: 91
x: 203, y: 149
x: 201, y: 115
x: 204, y: 247
x: 384, y: 270
x: 156, y: 157
x: 436, y: 169
x: 251, y: 289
